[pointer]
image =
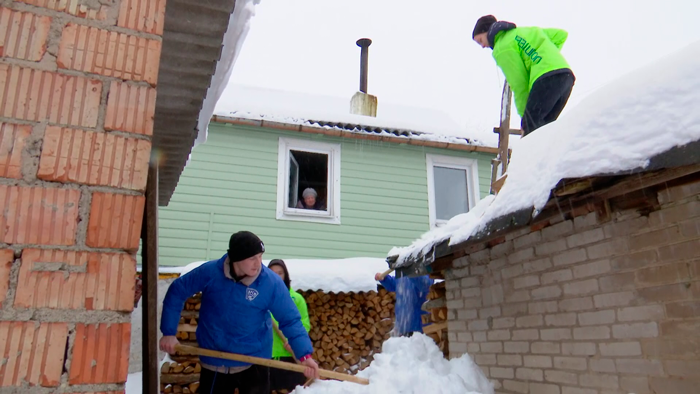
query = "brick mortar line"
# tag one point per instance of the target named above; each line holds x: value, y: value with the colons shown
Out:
x: 71, y: 316
x: 18, y: 248
x: 48, y: 67
x: 68, y: 18
x: 99, y: 129
x: 70, y: 186
x: 84, y: 205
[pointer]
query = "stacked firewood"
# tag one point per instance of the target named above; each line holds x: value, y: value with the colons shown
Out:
x: 347, y: 329
x: 437, y: 316
x: 182, y: 375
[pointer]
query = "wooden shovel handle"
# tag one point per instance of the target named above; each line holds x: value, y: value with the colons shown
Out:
x: 267, y: 363
x: 385, y: 273
x: 283, y: 338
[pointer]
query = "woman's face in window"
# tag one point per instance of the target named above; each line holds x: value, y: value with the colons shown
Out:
x: 310, y: 201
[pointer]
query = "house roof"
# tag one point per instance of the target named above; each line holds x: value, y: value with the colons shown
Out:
x: 357, y: 131
x: 192, y: 45
x: 615, y: 142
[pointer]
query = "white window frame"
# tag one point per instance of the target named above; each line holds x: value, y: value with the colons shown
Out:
x: 332, y: 214
x: 462, y: 163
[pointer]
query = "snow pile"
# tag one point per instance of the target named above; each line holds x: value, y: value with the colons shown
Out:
x: 411, y: 366
x: 343, y: 275
x: 618, y: 128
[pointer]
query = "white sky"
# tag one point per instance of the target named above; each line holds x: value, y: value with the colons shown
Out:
x: 423, y: 56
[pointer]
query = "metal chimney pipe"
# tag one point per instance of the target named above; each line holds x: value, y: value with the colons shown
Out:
x: 364, y: 43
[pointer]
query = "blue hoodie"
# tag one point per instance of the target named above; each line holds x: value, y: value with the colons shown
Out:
x: 233, y: 317
x: 411, y: 293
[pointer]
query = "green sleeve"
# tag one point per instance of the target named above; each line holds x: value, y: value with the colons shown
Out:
x: 557, y: 36
x: 303, y: 311
x: 509, y: 61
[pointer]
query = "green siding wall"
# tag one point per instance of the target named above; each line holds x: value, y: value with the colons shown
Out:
x: 230, y: 184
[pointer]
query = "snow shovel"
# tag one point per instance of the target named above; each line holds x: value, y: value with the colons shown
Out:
x: 268, y: 363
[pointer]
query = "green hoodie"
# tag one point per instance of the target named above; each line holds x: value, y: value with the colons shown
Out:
x: 525, y: 54
x: 278, y: 349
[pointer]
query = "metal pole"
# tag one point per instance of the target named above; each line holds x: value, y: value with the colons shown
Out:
x: 149, y: 260
x: 364, y: 43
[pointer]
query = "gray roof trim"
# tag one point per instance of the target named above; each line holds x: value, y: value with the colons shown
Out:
x: 192, y: 41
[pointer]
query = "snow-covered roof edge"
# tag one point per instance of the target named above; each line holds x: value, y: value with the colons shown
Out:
x: 642, y: 122
x: 238, y: 27
x: 359, y: 130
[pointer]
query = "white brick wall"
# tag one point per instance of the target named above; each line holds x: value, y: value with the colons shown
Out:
x: 581, y: 307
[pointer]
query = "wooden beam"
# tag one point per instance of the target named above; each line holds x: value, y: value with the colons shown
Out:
x: 187, y: 328
x: 149, y: 262
x: 574, y: 187
x: 435, y: 327
x: 498, y: 184
x: 497, y: 130
x: 640, y: 181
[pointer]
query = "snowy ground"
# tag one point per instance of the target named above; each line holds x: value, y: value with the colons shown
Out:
x: 411, y: 366
x: 406, y: 366
x: 618, y: 128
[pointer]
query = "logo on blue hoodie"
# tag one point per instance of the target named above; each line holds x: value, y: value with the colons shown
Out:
x: 250, y: 294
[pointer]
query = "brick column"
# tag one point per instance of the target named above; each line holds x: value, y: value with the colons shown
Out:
x: 77, y: 98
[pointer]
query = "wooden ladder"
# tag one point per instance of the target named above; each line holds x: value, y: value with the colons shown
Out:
x: 504, y: 131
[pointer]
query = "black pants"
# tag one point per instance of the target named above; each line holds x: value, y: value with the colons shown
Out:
x: 282, y: 379
x: 547, y: 99
x: 254, y: 380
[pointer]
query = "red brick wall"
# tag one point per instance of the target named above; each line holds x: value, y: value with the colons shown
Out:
x: 582, y: 307
x: 77, y: 98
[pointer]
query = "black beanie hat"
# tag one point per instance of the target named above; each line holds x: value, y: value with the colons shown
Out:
x: 287, y: 281
x: 243, y: 245
x: 483, y: 24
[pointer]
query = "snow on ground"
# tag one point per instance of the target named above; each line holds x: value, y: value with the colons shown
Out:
x: 341, y: 275
x: 134, y: 383
x: 411, y: 366
x: 618, y: 128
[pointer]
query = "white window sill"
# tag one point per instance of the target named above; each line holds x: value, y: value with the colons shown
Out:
x: 298, y: 215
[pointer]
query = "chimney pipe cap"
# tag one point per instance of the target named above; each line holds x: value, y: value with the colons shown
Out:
x: 364, y: 42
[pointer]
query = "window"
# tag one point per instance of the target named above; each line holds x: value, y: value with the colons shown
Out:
x: 453, y: 187
x: 302, y: 166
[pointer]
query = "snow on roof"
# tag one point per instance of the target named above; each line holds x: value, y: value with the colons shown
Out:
x: 334, y: 112
x: 616, y: 129
x: 332, y: 276
x: 411, y: 366
x: 238, y: 27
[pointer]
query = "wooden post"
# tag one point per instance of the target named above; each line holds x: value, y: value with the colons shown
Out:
x: 504, y: 128
x: 149, y: 264
x: 504, y: 132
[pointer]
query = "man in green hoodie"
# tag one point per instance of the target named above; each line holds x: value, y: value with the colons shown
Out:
x: 280, y: 379
x: 535, y: 69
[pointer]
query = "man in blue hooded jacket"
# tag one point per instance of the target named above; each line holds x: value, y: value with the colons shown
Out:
x: 411, y: 293
x: 238, y: 294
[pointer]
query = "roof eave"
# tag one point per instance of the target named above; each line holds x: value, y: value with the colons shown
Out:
x: 350, y: 134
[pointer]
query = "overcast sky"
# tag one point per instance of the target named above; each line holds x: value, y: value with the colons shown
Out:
x: 423, y: 56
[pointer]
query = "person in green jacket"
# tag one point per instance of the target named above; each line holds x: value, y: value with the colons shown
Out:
x: 281, y: 379
x: 535, y: 69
